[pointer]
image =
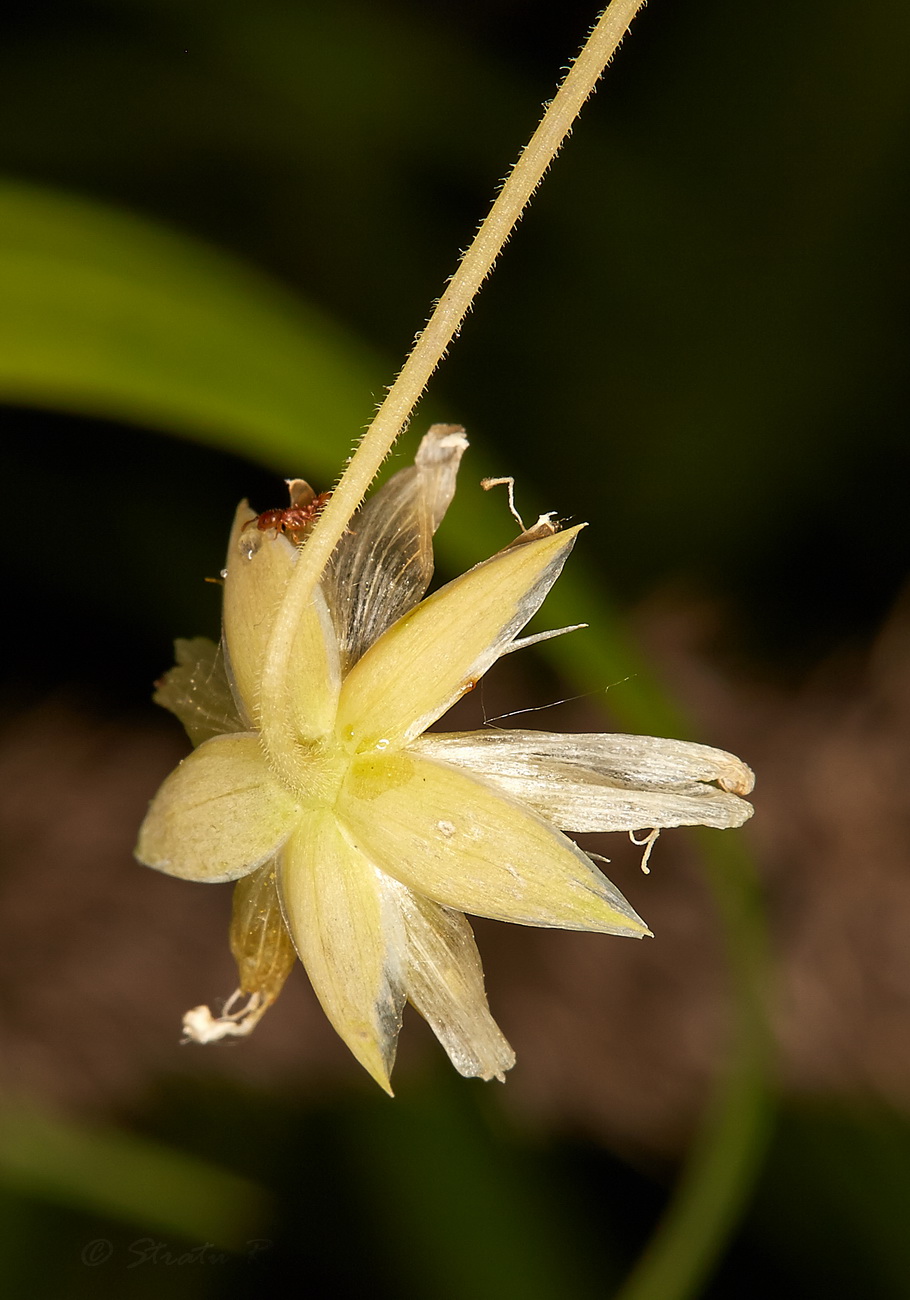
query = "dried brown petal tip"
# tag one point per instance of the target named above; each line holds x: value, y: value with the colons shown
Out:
x: 300, y: 492
x: 740, y: 779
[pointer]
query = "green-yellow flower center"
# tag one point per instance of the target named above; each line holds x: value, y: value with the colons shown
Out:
x: 313, y: 770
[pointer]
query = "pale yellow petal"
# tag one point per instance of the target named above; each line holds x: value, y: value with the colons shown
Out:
x: 383, y: 564
x: 259, y: 566
x: 218, y: 815
x: 452, y: 837
x: 431, y: 656
x: 350, y: 936
x: 198, y: 692
x: 257, y: 571
x: 445, y: 984
x: 596, y: 782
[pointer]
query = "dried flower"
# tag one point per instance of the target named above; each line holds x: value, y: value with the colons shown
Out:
x: 358, y: 838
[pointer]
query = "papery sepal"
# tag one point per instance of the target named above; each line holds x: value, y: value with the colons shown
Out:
x: 383, y: 564
x: 444, y: 983
x: 198, y: 692
x: 601, y: 782
x: 259, y: 938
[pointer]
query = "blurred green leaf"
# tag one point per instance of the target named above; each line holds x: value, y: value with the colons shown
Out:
x: 126, y: 1178
x: 107, y: 314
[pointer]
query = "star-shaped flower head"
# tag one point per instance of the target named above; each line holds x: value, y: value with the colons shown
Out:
x: 360, y: 839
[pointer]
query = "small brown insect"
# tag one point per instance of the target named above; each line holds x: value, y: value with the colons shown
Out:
x: 297, y: 519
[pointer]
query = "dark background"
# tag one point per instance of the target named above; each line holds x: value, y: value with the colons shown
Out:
x: 697, y: 340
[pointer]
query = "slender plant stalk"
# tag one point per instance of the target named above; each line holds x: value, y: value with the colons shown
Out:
x: 710, y: 1195
x: 432, y: 343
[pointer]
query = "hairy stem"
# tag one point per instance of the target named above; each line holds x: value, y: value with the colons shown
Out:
x: 431, y: 344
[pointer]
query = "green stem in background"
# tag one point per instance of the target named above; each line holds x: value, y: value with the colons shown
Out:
x: 432, y: 343
x: 713, y: 1188
x: 726, y: 1155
